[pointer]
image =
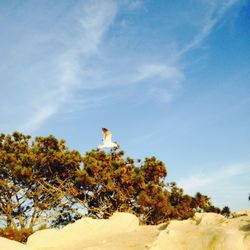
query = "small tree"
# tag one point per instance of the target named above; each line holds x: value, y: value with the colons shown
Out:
x: 203, y: 202
x: 26, y: 170
x: 110, y: 182
x: 226, y: 211
x: 183, y: 206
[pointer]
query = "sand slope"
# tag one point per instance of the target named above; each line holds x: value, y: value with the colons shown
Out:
x: 206, y: 231
x: 122, y: 231
x: 6, y: 244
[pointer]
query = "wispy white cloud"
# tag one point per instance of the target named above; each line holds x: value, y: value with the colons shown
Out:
x: 215, y: 14
x: 173, y: 73
x: 39, y: 117
x: 214, y: 178
x: 135, y: 4
x: 226, y: 185
x: 164, y: 71
x: 93, y: 18
x: 78, y: 41
x: 162, y: 94
x: 170, y: 77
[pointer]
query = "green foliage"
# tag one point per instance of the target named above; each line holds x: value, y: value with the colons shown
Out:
x: 110, y: 182
x: 43, y: 183
x: 27, y: 170
x: 226, y: 211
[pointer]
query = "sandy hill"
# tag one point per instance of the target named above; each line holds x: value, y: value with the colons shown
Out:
x: 122, y: 231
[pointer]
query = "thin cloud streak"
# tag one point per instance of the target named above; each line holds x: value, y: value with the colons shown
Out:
x: 164, y: 71
x: 42, y: 114
x: 214, y: 17
x: 94, y: 19
x: 171, y: 77
x: 163, y: 94
x: 173, y: 73
x: 205, y: 180
x: 71, y: 70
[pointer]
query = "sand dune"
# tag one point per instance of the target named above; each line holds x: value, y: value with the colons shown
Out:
x: 122, y: 231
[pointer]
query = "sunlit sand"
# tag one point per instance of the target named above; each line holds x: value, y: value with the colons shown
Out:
x: 122, y: 231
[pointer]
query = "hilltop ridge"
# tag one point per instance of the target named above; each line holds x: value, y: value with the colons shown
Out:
x: 122, y: 231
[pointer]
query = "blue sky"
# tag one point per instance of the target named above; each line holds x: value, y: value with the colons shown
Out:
x: 168, y: 78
